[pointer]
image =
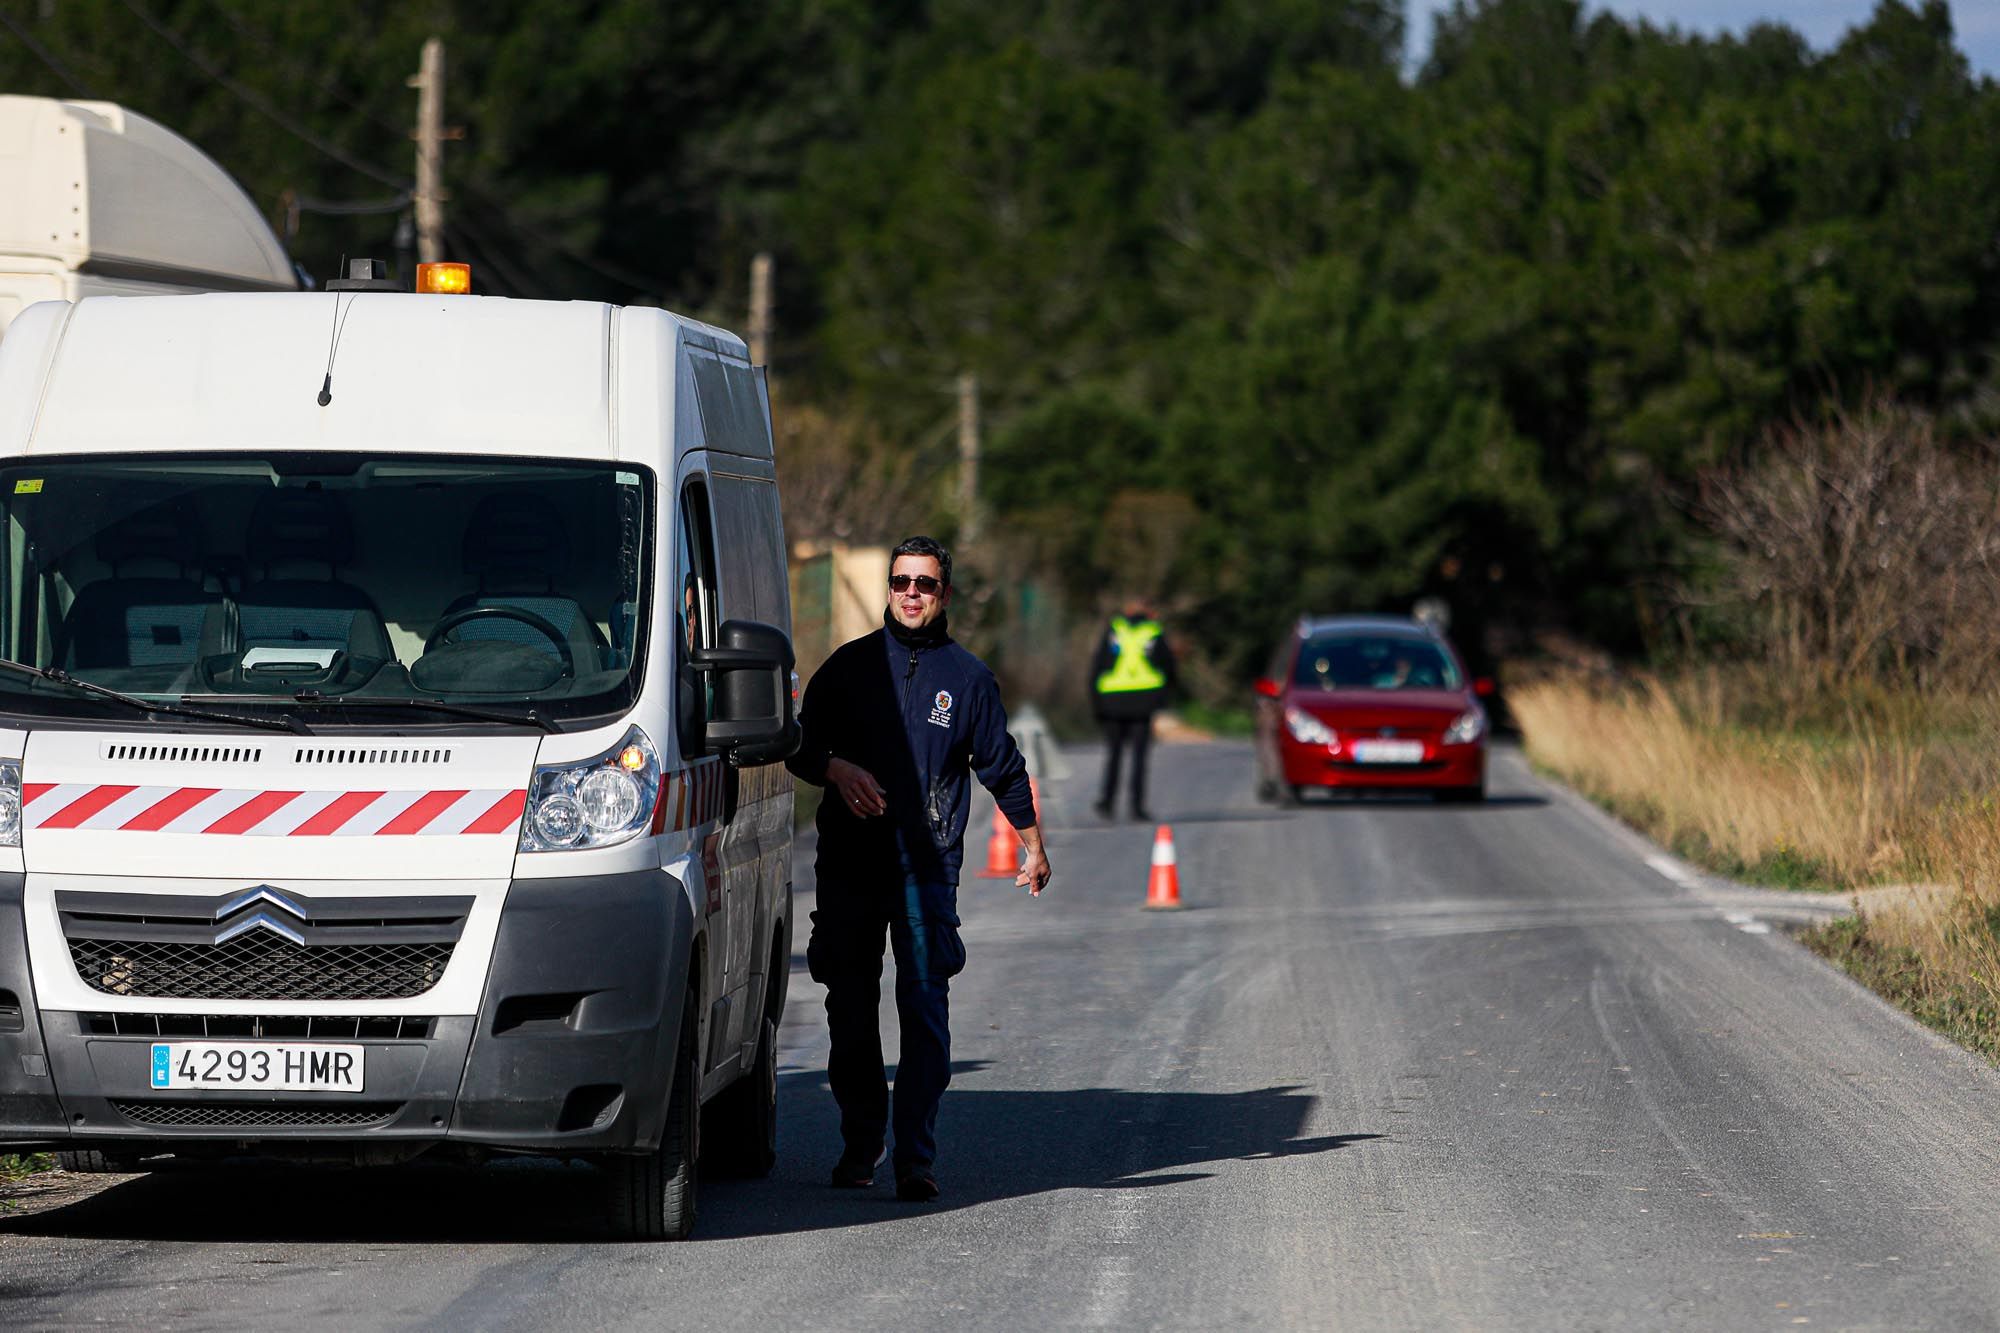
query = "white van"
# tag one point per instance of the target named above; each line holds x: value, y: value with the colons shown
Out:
x: 390, y: 755
x: 96, y: 200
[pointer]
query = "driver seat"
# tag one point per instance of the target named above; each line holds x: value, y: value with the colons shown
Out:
x: 518, y: 552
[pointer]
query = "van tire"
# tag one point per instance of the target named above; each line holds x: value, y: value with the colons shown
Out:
x: 742, y: 1130
x: 653, y: 1194
x: 91, y: 1162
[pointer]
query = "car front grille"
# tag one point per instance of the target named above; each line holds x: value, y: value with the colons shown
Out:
x: 257, y: 1115
x: 259, y: 968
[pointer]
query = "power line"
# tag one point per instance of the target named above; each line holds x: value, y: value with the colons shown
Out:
x: 470, y: 187
x: 261, y: 104
x: 324, y: 82
x: 348, y: 208
x: 46, y: 56
x: 624, y: 277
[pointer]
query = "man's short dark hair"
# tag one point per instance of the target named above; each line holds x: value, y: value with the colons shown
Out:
x: 929, y: 546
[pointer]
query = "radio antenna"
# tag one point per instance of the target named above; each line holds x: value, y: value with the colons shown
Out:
x: 333, y: 342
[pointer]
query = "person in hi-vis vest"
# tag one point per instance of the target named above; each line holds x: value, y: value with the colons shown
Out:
x: 1130, y: 676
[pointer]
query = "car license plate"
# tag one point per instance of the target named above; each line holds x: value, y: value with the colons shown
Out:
x: 259, y: 1066
x: 1388, y: 752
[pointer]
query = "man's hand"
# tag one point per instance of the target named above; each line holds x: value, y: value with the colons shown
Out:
x: 1035, y: 872
x: 856, y: 787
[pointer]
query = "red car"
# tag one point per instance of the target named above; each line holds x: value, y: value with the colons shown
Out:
x: 1370, y: 702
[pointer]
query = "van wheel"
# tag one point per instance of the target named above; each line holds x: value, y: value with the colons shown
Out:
x: 742, y: 1130
x: 653, y: 1194
x: 91, y: 1162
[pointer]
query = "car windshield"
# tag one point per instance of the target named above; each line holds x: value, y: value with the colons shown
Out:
x: 1375, y: 662
x: 335, y: 587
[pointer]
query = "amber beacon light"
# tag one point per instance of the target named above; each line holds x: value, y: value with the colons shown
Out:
x: 445, y: 279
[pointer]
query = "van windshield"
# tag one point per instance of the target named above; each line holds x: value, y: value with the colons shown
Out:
x: 292, y: 582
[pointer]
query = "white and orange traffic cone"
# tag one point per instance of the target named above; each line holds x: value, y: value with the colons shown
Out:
x: 1163, y: 889
x: 1003, y: 850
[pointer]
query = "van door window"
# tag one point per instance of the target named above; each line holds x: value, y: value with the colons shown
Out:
x: 752, y: 546
x: 697, y: 613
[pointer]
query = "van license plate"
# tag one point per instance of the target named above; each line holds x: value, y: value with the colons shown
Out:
x: 257, y: 1066
x: 1389, y: 752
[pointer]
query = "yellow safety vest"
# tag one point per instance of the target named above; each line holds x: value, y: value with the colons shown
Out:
x: 1132, y: 671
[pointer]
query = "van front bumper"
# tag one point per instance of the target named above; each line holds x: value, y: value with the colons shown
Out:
x: 571, y: 1052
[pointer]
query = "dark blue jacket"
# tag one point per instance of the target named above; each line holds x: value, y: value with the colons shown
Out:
x: 918, y: 712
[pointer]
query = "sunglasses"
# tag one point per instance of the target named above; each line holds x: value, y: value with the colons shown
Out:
x: 926, y: 585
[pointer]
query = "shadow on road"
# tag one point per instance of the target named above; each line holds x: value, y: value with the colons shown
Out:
x: 1002, y: 1144
x: 999, y: 1144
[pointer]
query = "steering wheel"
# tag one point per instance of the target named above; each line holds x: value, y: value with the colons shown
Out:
x: 526, y: 617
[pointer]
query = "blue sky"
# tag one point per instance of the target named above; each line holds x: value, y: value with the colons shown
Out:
x: 1975, y: 22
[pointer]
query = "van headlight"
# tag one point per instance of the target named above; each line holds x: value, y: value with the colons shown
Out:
x: 596, y: 803
x: 1307, y: 729
x: 10, y: 803
x: 1466, y: 728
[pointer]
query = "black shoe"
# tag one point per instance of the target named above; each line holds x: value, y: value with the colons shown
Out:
x: 1102, y: 809
x: 1139, y: 813
x: 854, y: 1172
x: 916, y: 1184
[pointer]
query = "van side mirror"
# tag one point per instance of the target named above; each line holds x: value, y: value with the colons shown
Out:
x: 1483, y: 687
x: 1267, y: 687
x: 755, y: 720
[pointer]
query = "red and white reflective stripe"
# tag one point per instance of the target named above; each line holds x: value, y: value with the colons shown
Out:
x: 269, y: 814
x: 694, y: 794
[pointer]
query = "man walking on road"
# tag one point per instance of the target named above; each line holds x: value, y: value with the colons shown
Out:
x: 1130, y: 676
x: 891, y: 724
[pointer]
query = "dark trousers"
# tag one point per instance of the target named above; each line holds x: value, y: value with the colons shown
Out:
x: 845, y: 956
x: 1119, y: 732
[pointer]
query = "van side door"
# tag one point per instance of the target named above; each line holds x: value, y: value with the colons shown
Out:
x: 700, y: 800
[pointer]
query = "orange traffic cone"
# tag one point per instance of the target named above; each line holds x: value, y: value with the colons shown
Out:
x: 1163, y: 890
x: 1003, y: 850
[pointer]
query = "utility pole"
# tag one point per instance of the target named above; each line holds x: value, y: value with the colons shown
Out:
x: 430, y: 135
x: 760, y: 309
x: 968, y: 458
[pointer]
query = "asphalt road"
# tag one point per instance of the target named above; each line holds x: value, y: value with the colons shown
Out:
x: 1394, y: 1065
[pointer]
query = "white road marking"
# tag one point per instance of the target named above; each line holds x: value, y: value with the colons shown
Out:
x: 1746, y: 923
x: 1671, y: 869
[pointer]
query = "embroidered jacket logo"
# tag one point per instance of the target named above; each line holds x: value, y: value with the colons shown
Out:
x: 941, y: 709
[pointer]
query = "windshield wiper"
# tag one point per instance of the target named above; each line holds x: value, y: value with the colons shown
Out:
x: 314, y: 699
x: 57, y: 676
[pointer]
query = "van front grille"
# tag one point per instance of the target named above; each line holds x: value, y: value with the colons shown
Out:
x: 319, y: 1027
x: 347, y: 754
x: 258, y: 1115
x: 263, y: 944
x: 120, y: 752
x: 259, y: 966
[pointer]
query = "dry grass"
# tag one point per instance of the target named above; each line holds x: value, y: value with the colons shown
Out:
x: 1785, y: 808
x: 1900, y: 792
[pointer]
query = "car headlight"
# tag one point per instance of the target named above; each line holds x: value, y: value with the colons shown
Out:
x: 597, y: 803
x: 10, y: 803
x: 1307, y: 729
x: 1466, y: 728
